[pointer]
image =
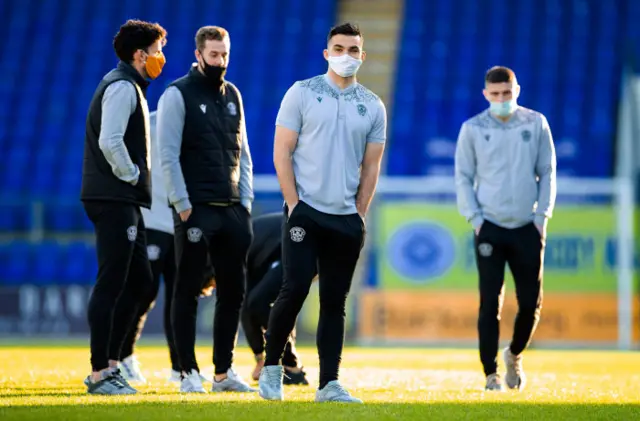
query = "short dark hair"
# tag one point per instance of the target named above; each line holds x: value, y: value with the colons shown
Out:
x: 136, y: 35
x: 499, y: 74
x: 347, y: 28
x: 210, y: 33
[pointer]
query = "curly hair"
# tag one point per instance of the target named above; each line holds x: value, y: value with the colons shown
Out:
x: 136, y: 35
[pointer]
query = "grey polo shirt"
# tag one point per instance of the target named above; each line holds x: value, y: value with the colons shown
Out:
x: 334, y: 127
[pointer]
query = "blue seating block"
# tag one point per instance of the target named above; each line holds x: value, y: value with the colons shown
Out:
x: 446, y: 48
x: 42, y: 123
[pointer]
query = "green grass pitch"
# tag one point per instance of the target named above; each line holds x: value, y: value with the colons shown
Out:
x: 44, y: 382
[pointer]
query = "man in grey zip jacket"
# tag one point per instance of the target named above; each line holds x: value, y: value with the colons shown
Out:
x: 115, y: 185
x: 505, y: 172
x: 208, y: 172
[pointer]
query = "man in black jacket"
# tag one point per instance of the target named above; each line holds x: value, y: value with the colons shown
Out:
x: 208, y: 173
x: 115, y: 184
x: 264, y: 280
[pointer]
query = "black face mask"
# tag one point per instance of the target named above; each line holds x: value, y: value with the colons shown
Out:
x: 214, y: 73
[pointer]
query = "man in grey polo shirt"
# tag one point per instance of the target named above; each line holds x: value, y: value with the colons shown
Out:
x: 505, y: 171
x: 329, y: 141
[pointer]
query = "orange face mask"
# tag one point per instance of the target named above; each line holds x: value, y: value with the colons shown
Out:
x: 154, y: 65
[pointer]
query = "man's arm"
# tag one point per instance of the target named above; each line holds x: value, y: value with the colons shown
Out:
x: 118, y: 103
x: 288, y: 126
x: 171, y: 114
x: 465, y: 174
x: 370, y: 169
x: 546, y: 172
x: 246, y: 163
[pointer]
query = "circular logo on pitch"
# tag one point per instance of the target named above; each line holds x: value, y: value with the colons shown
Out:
x: 421, y: 251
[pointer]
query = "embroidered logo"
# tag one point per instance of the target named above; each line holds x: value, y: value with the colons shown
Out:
x: 194, y: 234
x: 153, y: 252
x: 485, y: 249
x: 297, y: 234
x: 132, y: 233
x: 362, y: 110
x: 231, y: 107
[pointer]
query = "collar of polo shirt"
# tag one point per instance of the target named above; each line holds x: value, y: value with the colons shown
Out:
x: 336, y: 88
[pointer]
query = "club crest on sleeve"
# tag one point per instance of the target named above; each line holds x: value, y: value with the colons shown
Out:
x: 297, y: 234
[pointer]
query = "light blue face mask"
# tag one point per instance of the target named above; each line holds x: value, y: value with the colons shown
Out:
x: 503, y: 109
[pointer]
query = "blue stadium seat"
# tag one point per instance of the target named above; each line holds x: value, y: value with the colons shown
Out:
x: 47, y: 263
x: 14, y: 218
x: 18, y: 263
x: 79, y: 264
x: 8, y: 218
x: 4, y: 263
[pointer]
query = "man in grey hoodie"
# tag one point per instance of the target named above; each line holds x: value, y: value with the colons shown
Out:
x: 505, y: 172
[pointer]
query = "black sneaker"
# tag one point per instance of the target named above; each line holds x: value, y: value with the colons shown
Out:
x: 291, y: 378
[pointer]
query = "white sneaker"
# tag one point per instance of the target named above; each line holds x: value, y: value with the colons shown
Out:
x: 130, y: 369
x: 515, y: 377
x: 334, y: 392
x: 233, y: 383
x: 494, y: 383
x: 192, y: 383
x: 270, y: 383
x: 175, y: 377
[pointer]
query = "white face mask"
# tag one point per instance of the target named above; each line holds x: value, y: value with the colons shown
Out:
x: 344, y: 65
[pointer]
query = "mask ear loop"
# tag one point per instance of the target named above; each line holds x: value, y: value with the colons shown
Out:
x: 204, y: 62
x: 144, y: 61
